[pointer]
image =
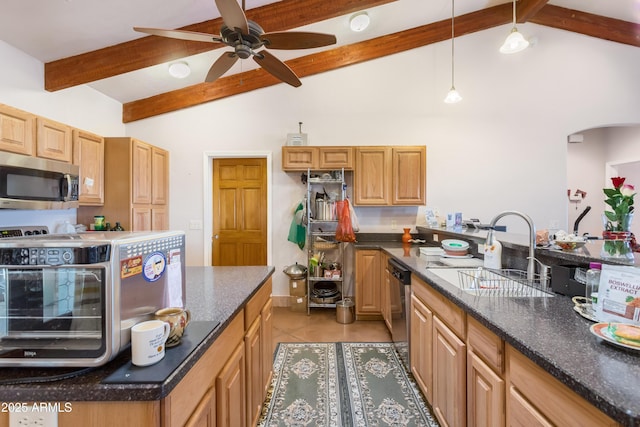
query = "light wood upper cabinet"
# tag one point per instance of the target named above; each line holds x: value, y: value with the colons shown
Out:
x: 136, y: 176
x: 88, y: 153
x: 159, y: 176
x: 142, y: 162
x: 335, y: 158
x: 390, y: 176
x: 409, y: 171
x: 372, y: 173
x: 301, y: 158
x: 17, y: 130
x: 53, y: 140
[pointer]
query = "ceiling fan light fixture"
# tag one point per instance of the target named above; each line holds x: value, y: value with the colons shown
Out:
x: 179, y: 70
x: 515, y: 41
x: 359, y: 22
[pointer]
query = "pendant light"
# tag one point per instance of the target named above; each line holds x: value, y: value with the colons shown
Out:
x: 515, y: 41
x: 453, y: 96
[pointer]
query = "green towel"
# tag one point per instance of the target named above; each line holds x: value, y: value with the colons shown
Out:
x: 297, y: 231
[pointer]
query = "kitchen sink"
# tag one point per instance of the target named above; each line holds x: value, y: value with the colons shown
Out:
x: 484, y: 282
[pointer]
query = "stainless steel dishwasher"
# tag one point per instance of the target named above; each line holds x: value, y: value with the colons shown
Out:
x: 400, y: 293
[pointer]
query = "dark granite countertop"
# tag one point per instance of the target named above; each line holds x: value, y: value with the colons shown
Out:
x: 552, y: 334
x: 214, y: 296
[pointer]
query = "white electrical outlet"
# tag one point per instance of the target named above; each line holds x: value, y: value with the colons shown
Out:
x: 394, y: 224
x: 436, y: 238
x: 27, y: 418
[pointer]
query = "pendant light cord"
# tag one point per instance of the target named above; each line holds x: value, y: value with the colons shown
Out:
x: 452, y: 43
x: 514, y: 13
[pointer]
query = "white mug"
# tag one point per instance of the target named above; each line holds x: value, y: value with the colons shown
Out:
x: 147, y: 342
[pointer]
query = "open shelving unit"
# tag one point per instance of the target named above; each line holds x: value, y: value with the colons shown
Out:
x: 325, y: 255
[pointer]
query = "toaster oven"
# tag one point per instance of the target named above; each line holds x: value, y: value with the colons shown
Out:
x: 71, y: 300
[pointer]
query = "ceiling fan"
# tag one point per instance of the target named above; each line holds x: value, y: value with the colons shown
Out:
x: 247, y: 38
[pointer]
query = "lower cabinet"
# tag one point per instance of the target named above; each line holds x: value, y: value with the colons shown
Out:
x: 438, y: 353
x: 537, y: 398
x: 368, y: 286
x: 226, y: 387
x: 471, y: 377
x: 230, y: 391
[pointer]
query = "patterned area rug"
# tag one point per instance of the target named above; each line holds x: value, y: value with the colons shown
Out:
x: 342, y: 384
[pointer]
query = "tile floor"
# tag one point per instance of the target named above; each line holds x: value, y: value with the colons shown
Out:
x: 321, y: 326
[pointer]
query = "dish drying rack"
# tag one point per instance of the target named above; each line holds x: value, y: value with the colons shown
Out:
x: 504, y: 282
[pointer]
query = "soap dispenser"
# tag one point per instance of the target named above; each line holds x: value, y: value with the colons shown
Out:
x: 492, y: 252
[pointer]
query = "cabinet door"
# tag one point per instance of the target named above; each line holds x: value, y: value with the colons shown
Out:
x: 88, y: 153
x: 159, y: 176
x: 266, y: 317
x: 253, y: 349
x: 230, y: 391
x: 159, y: 218
x: 53, y: 140
x: 485, y: 394
x: 409, y: 175
x: 205, y: 413
x: 449, y: 376
x: 141, y: 159
x: 141, y: 219
x: 385, y: 292
x: 372, y: 174
x: 421, y: 348
x: 299, y: 158
x: 524, y: 414
x: 17, y: 130
x: 335, y: 158
x: 368, y: 284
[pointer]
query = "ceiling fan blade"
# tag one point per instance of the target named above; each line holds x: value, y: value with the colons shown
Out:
x: 221, y: 66
x: 277, y: 68
x: 180, y: 34
x: 297, y: 40
x: 233, y: 15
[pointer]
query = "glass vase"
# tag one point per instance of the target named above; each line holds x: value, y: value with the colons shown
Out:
x: 617, y: 239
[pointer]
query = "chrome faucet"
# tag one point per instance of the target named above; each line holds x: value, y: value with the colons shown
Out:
x: 531, y: 267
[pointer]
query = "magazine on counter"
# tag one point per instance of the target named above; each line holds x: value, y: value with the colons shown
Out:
x: 619, y: 294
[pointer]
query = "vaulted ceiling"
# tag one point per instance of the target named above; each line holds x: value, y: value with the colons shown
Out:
x: 116, y: 65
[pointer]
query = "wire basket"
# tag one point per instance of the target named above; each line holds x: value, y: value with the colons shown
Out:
x: 504, y: 282
x: 321, y: 243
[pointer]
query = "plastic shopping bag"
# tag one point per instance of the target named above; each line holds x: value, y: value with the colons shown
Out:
x: 344, y: 230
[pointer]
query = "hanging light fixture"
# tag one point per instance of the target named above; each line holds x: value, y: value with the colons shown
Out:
x: 515, y: 41
x: 453, y: 96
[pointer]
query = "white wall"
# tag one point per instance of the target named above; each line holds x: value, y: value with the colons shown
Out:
x: 22, y: 86
x: 618, y: 147
x: 504, y: 147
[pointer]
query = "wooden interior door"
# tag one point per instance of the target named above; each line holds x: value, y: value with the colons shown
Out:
x: 239, y: 212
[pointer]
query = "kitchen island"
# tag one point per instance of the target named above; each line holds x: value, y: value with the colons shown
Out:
x: 226, y: 303
x: 547, y: 331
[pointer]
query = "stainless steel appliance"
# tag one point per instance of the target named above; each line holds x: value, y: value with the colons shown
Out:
x: 71, y: 299
x: 400, y: 287
x: 35, y: 183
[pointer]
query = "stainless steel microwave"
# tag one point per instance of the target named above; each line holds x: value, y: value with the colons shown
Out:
x: 71, y: 300
x: 35, y: 183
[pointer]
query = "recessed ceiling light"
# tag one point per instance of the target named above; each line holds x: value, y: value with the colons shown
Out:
x: 359, y: 21
x: 179, y: 70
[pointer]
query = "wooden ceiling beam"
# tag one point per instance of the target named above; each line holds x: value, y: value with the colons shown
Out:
x: 526, y: 9
x: 152, y: 50
x: 588, y: 24
x: 317, y: 63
